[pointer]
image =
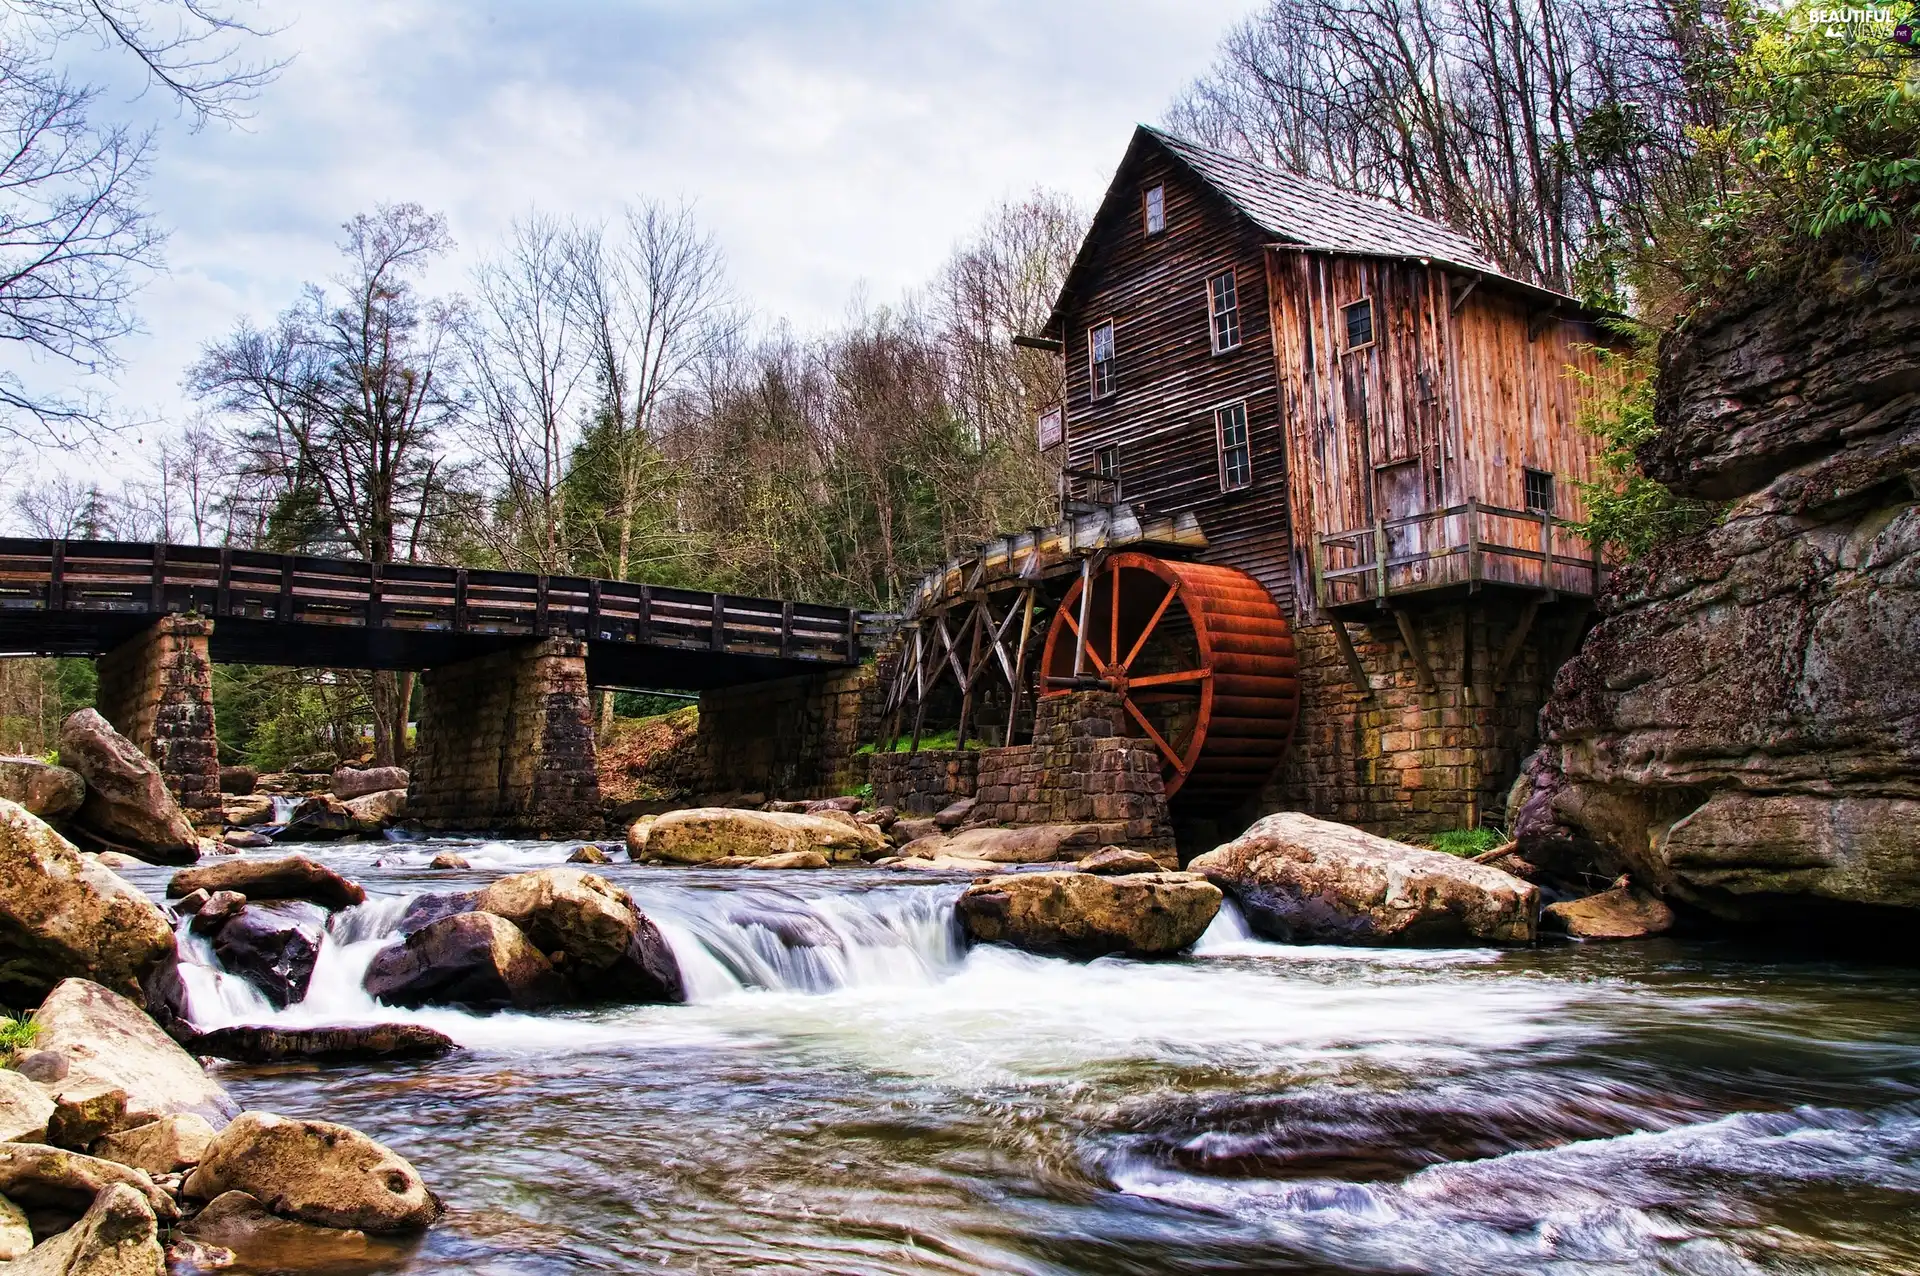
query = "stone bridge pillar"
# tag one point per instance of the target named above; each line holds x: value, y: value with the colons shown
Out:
x: 790, y: 738
x: 506, y: 744
x: 156, y: 689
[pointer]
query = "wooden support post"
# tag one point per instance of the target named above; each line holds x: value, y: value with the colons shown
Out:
x: 460, y: 618
x: 786, y: 630
x: 1546, y: 554
x: 593, y: 610
x: 223, y: 590
x: 283, y: 610
x: 1474, y: 567
x: 718, y: 636
x: 1080, y: 638
x: 1410, y: 635
x: 373, y: 595
x: 967, y: 683
x: 920, y: 696
x: 1316, y: 564
x: 56, y: 578
x: 1599, y: 567
x: 158, y: 604
x: 1341, y: 639
x: 1380, y: 562
x: 540, y: 606
x: 1515, y: 641
x: 643, y: 624
x: 853, y: 635
x: 1019, y: 679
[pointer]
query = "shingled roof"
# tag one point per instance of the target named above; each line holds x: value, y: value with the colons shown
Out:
x: 1293, y: 209
x: 1313, y: 214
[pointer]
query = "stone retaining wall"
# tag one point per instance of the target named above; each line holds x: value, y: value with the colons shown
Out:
x: 924, y: 782
x: 791, y: 738
x: 1079, y: 768
x: 157, y: 690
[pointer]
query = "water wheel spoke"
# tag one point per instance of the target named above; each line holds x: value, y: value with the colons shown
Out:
x: 1159, y: 741
x: 1172, y: 592
x: 1165, y: 679
x: 1066, y: 614
x: 1113, y: 629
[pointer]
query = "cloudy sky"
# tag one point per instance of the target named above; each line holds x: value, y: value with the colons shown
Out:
x: 831, y: 145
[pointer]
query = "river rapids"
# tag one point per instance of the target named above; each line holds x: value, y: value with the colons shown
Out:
x: 851, y: 1090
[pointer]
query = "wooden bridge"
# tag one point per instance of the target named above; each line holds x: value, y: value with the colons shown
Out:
x: 89, y: 597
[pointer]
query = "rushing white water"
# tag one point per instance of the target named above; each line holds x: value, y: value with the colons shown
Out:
x: 284, y: 807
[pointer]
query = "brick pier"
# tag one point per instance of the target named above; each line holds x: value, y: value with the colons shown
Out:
x: 157, y: 690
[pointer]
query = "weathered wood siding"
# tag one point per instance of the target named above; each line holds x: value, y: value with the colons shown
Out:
x: 1154, y: 289
x: 1444, y: 406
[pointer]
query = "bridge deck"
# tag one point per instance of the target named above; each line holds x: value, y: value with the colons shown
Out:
x: 86, y: 597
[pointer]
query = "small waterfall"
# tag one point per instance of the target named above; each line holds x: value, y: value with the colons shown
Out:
x: 284, y: 806
x: 727, y: 941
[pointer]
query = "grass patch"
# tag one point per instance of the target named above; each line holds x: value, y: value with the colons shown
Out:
x: 947, y: 739
x: 1466, y: 842
x: 17, y: 1034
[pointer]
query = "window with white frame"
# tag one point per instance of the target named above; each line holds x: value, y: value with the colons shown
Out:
x: 1100, y: 357
x: 1156, y: 209
x: 1223, y: 303
x: 1236, y: 450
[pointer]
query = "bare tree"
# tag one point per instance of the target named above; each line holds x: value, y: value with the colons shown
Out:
x: 529, y: 359
x: 76, y: 240
x: 341, y: 407
x: 65, y: 508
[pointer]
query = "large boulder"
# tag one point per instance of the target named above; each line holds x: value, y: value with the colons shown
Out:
x: 288, y: 877
x: 25, y: 1109
x: 350, y: 783
x: 238, y: 780
x: 424, y: 910
x: 16, y: 1232
x: 107, y: 1040
x: 701, y: 834
x: 128, y: 802
x: 372, y: 812
x: 347, y: 1043
x: 316, y: 1172
x: 62, y: 916
x: 119, y: 1235
x: 613, y: 950
x: 158, y: 1147
x: 1087, y: 915
x: 273, y: 947
x: 46, y: 790
x: 474, y: 960
x: 40, y: 1178
x: 321, y: 818
x: 1303, y: 880
x: 248, y: 810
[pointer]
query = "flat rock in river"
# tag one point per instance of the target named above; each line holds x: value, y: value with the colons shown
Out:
x: 61, y: 915
x: 1027, y: 844
x: 286, y: 877
x: 1303, y: 880
x: 1620, y: 913
x: 347, y: 1043
x: 1087, y: 915
x: 107, y: 1039
x: 701, y: 834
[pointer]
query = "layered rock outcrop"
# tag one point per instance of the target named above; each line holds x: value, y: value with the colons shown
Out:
x: 1741, y: 731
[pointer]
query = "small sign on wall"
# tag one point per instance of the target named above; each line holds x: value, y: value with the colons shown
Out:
x: 1053, y: 428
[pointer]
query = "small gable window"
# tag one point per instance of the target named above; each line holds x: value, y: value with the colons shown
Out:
x: 1359, y: 318
x: 1223, y: 303
x: 1100, y: 356
x: 1539, y: 491
x: 1236, y: 452
x: 1156, y: 209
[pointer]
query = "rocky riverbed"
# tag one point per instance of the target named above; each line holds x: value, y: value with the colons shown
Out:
x: 850, y: 1088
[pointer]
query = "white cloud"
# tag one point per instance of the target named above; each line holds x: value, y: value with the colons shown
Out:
x: 829, y: 145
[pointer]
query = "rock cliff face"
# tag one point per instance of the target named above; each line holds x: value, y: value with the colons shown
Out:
x: 1742, y: 729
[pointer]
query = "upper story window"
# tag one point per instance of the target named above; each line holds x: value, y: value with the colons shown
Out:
x: 1223, y: 303
x: 1539, y: 491
x: 1106, y: 462
x: 1156, y: 209
x: 1100, y: 358
x: 1359, y: 317
x: 1236, y: 450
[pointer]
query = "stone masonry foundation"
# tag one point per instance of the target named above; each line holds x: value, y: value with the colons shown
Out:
x: 157, y: 690
x: 1408, y: 760
x: 506, y: 744
x: 924, y: 782
x: 790, y: 738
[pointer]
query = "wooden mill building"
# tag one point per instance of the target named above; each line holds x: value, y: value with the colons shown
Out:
x: 1354, y: 407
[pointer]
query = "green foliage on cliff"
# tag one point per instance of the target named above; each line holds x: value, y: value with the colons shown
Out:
x: 1626, y: 510
x: 1817, y: 153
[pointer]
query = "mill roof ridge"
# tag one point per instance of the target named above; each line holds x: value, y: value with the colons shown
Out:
x: 1316, y: 214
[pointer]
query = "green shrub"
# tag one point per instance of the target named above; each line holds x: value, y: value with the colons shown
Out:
x: 16, y: 1035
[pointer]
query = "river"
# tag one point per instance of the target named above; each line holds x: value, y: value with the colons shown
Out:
x: 850, y: 1090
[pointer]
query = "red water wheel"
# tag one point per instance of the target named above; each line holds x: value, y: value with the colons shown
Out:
x: 1203, y: 659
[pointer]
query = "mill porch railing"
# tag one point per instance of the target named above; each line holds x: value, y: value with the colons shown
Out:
x: 1461, y: 546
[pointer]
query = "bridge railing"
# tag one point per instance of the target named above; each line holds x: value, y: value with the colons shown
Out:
x: 114, y: 576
